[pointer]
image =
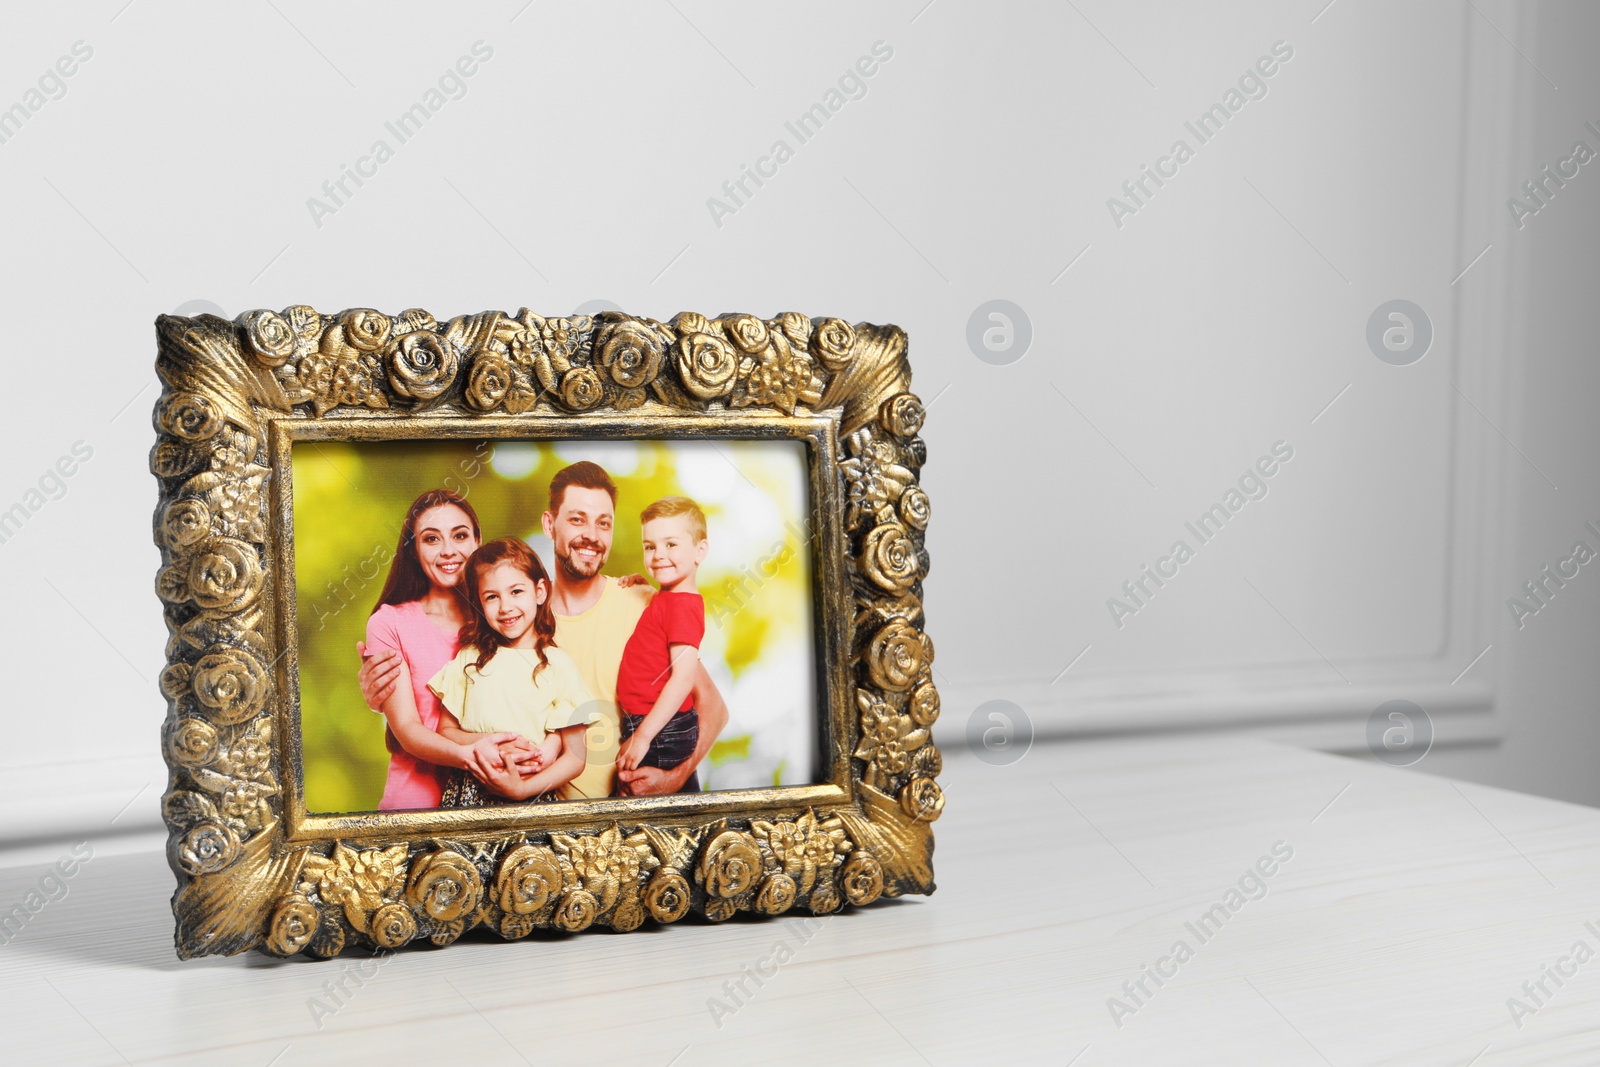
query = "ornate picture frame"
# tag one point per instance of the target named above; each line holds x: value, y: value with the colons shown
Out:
x: 256, y: 870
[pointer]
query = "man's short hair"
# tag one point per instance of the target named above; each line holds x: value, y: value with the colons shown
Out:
x: 584, y: 475
x: 669, y: 506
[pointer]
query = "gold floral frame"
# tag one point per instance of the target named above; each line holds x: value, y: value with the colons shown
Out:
x: 254, y: 869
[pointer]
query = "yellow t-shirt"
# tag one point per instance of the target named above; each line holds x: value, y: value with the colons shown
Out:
x: 505, y: 694
x: 595, y: 640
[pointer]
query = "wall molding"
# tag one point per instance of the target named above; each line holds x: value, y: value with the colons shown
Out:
x: 1304, y: 703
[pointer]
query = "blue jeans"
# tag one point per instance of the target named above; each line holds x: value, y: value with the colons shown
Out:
x: 675, y: 743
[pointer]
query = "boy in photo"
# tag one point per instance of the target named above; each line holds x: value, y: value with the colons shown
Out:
x: 656, y: 679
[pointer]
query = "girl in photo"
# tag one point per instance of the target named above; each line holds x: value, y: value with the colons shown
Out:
x: 509, y: 677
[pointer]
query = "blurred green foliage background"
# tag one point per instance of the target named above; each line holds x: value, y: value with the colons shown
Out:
x: 350, y: 499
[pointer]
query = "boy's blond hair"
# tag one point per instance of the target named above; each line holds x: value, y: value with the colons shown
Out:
x: 670, y: 506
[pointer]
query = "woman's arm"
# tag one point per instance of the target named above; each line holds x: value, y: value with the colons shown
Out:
x: 400, y: 709
x: 566, y: 767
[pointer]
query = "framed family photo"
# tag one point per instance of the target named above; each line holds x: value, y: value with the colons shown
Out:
x: 511, y: 623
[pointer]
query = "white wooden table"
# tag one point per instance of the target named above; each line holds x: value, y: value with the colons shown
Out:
x: 1411, y: 911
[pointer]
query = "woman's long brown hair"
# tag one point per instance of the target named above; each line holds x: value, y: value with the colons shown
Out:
x: 406, y: 579
x: 476, y: 631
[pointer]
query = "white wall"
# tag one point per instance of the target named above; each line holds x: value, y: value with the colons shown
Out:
x: 1220, y: 318
x: 1548, y: 690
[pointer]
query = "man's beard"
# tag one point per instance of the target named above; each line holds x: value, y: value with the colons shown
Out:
x: 570, y: 568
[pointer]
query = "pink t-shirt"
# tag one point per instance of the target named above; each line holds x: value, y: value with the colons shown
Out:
x: 406, y: 628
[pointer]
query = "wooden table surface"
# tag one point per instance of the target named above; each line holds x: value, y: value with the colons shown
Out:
x: 1409, y: 913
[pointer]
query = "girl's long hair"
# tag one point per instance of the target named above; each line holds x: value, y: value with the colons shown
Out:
x: 476, y: 631
x: 406, y: 579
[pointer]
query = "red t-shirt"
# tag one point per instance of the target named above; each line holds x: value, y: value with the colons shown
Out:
x: 669, y: 619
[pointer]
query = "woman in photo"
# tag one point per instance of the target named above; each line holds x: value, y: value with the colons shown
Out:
x: 419, y: 615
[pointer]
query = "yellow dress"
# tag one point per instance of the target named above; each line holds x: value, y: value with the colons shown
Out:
x: 595, y: 640
x: 505, y: 694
